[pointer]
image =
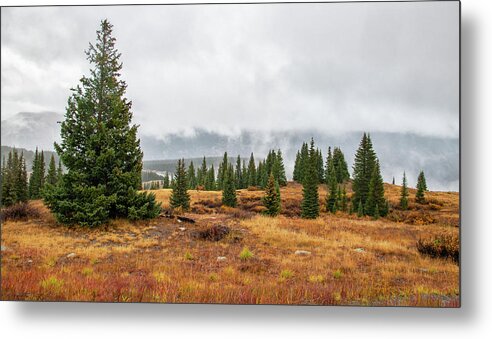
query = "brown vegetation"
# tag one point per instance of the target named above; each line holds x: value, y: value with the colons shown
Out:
x: 352, y: 261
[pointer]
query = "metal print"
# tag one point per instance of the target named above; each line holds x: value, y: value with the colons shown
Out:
x: 291, y: 153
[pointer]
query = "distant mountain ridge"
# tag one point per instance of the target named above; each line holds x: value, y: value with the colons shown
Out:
x: 397, y: 152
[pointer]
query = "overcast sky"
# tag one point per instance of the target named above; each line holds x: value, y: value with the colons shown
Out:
x: 389, y: 67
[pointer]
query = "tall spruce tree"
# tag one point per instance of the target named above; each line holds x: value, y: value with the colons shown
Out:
x: 191, y: 177
x: 201, y: 174
x: 421, y: 188
x: 223, y: 166
x: 331, y: 198
x: 404, y: 193
x: 329, y: 163
x: 320, y: 166
x: 165, y: 181
x: 310, y: 198
x: 271, y: 200
x: 35, y: 178
x: 59, y: 171
x: 99, y: 146
x: 365, y: 160
x: 238, y: 174
x: 52, y: 176
x: 304, y: 162
x: 252, y: 171
x: 376, y: 203
x: 229, y: 188
x: 297, y: 167
x: 14, y: 179
x: 279, y: 169
x: 341, y: 168
x: 180, y: 198
x: 393, y: 181
x: 210, y: 184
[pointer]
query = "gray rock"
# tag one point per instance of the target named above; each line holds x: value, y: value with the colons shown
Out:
x: 221, y: 258
x: 360, y: 250
x: 301, y: 252
x: 182, y: 229
x: 3, y: 248
x: 71, y: 255
x: 29, y: 261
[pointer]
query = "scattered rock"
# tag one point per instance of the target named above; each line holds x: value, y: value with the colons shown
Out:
x: 179, y: 221
x: 182, y: 229
x: 29, y: 261
x: 3, y: 248
x: 300, y: 252
x: 221, y: 258
x: 360, y: 250
x: 71, y: 255
x: 185, y: 219
x: 423, y: 270
x: 214, y: 233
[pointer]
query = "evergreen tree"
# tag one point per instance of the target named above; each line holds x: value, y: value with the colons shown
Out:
x: 340, y: 164
x: 35, y: 178
x: 279, y: 169
x: 210, y: 184
x: 99, y: 147
x: 8, y: 194
x: 259, y: 174
x: 52, y: 176
x: 229, y: 188
x: 223, y: 166
x: 304, y: 162
x: 180, y: 198
x: 271, y: 200
x: 365, y: 160
x: 238, y: 174
x: 165, y: 182
x: 14, y: 179
x: 360, y: 210
x: 344, y: 201
x: 59, y: 172
x: 252, y: 171
x: 421, y: 188
x: 320, y: 167
x: 22, y: 182
x: 331, y: 197
x: 310, y: 199
x: 245, y: 175
x: 296, y: 176
x: 393, y: 182
x: 404, y: 193
x: 329, y: 164
x: 191, y: 177
x: 376, y: 194
x: 201, y: 174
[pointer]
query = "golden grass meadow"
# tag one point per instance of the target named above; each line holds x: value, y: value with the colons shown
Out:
x: 336, y: 259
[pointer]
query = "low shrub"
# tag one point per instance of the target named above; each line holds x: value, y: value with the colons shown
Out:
x: 441, y: 246
x: 19, y: 211
x: 245, y: 254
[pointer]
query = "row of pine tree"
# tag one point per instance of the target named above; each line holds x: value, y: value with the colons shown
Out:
x: 17, y: 187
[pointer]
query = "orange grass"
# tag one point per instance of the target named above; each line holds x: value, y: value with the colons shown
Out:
x: 353, y: 261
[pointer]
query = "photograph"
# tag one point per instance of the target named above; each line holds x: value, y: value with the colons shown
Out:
x: 239, y: 154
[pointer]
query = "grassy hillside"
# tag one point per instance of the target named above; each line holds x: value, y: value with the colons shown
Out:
x: 350, y: 260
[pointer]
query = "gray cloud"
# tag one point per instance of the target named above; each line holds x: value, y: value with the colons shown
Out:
x: 334, y: 68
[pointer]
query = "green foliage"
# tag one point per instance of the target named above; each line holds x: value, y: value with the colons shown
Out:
x: 52, y: 176
x: 340, y: 164
x: 201, y: 174
x: 245, y: 254
x: 441, y: 246
x: 310, y: 200
x: 166, y: 182
x: 210, y: 184
x: 238, y: 174
x: 99, y: 147
x: 375, y: 201
x: 271, y: 200
x: 191, y: 177
x: 180, y: 198
x: 37, y: 178
x: 320, y: 171
x: 14, y: 179
x: 360, y: 209
x: 421, y: 188
x: 229, y: 188
x: 365, y: 160
x: 297, y: 168
x: 278, y: 169
x: 252, y: 180
x: 223, y: 166
x: 331, y: 198
x: 404, y: 193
